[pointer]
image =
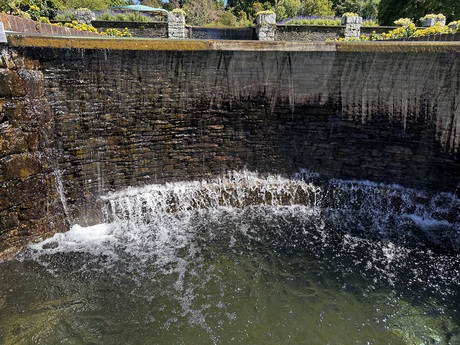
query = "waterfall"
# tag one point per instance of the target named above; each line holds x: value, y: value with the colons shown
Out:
x: 360, y: 208
x: 233, y: 258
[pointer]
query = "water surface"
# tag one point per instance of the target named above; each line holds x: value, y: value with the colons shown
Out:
x: 244, y: 260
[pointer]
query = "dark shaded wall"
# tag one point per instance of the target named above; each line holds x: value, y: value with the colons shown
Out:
x: 123, y: 118
x: 221, y: 33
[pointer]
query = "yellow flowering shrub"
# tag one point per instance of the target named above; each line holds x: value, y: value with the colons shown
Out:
x: 437, y: 28
x: 115, y: 32
x: 81, y: 26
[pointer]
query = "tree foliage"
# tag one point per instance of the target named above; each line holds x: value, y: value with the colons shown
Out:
x: 316, y: 8
x: 391, y: 10
x: 365, y: 8
x: 287, y: 9
x: 31, y: 8
x: 93, y: 5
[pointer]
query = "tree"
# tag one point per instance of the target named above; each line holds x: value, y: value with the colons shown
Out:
x: 365, y: 8
x: 292, y: 7
x: 316, y: 8
x: 391, y: 10
x: 370, y: 9
x: 31, y: 8
x: 200, y: 12
x: 93, y: 5
x: 249, y: 6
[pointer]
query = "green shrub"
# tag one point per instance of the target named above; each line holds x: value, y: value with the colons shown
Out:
x: 350, y: 14
x: 179, y: 11
x: 438, y: 16
x: 266, y: 12
x: 369, y: 22
x: 137, y: 17
x: 65, y: 15
x: 327, y: 21
x: 403, y: 22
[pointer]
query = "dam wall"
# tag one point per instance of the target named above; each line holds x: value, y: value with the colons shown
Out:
x: 82, y: 117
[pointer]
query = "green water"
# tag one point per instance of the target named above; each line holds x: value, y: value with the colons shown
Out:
x: 262, y: 275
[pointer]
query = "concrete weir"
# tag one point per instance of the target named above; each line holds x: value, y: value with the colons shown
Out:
x: 80, y: 117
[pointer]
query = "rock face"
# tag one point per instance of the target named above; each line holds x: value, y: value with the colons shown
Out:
x: 101, y: 120
x: 30, y: 207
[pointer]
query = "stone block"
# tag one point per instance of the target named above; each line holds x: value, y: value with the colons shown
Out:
x: 11, y: 84
x: 176, y: 26
x: 19, y: 166
x: 12, y: 140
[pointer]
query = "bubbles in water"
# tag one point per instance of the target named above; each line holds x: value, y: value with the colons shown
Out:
x: 253, y: 259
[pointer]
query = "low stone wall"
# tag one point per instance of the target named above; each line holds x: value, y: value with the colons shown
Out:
x: 435, y: 38
x: 367, y: 30
x: 137, y: 29
x: 19, y: 24
x: 307, y: 33
x: 221, y: 33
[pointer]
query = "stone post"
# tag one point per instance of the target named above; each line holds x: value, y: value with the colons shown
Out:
x: 176, y: 25
x: 352, y: 26
x: 265, y: 27
x: 84, y: 15
x: 2, y: 34
x: 426, y: 23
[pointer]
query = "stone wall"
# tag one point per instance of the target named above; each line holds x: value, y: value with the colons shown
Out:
x: 221, y: 33
x: 18, y: 24
x: 147, y: 29
x: 30, y: 205
x: 307, y: 33
x: 125, y: 117
x: 435, y: 38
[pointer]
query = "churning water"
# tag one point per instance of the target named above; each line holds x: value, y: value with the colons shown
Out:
x: 245, y: 259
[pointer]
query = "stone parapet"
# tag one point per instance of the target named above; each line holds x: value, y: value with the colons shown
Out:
x: 265, y: 27
x: 352, y: 26
x: 176, y: 25
x: 23, y: 25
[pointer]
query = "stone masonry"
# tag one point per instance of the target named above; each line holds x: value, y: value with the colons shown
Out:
x: 77, y: 123
x: 176, y: 25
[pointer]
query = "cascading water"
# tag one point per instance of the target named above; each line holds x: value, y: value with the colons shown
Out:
x: 245, y: 259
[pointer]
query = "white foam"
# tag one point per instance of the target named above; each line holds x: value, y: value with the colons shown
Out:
x: 94, y: 239
x: 424, y: 222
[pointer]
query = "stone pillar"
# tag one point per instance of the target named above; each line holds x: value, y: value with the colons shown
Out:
x: 265, y: 27
x: 176, y: 25
x: 84, y: 15
x: 2, y: 34
x: 426, y: 23
x: 352, y: 26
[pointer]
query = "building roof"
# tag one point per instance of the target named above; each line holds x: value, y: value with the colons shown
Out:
x: 139, y: 8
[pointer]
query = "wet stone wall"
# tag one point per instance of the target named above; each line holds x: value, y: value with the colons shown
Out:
x: 30, y: 206
x: 117, y: 118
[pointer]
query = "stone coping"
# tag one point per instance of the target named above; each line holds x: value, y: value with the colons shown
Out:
x: 133, y: 43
